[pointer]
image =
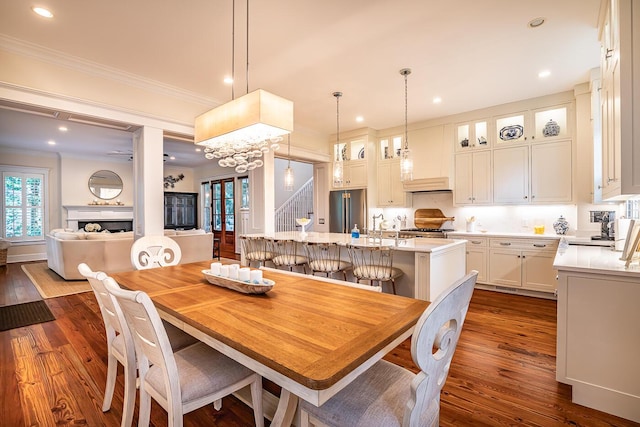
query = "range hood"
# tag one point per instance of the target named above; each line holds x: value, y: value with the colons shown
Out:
x: 427, y: 184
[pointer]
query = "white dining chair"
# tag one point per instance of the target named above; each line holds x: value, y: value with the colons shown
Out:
x: 183, y: 381
x: 325, y: 279
x: 155, y: 251
x: 391, y: 396
x: 120, y: 347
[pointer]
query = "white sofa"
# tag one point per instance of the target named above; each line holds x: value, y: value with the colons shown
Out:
x: 110, y: 252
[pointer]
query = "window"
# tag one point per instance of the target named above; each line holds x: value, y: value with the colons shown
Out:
x: 24, y: 193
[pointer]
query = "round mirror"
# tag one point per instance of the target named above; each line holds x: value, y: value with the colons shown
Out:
x: 105, y: 184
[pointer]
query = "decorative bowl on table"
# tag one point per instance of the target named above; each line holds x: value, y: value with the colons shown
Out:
x: 303, y: 222
x: 246, y: 287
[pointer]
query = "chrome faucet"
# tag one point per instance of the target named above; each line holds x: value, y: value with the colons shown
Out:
x: 381, y: 216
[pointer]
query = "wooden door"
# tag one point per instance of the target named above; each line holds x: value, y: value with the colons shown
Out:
x: 223, y: 215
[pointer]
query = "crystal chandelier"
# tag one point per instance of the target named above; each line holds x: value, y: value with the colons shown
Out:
x: 241, y: 131
x: 406, y: 160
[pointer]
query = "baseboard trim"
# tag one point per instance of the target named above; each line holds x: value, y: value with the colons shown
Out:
x: 26, y: 258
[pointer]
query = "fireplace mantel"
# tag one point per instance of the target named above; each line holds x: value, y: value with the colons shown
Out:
x: 97, y: 213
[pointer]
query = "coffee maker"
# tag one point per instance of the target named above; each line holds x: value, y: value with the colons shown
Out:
x: 607, y: 225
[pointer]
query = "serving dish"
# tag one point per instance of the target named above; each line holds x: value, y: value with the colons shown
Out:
x: 264, y: 286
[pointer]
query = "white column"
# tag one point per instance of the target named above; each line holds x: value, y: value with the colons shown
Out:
x: 148, y: 193
x: 262, y: 197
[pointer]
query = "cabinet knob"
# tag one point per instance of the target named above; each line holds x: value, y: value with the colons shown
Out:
x: 533, y: 196
x: 505, y: 243
x: 525, y: 197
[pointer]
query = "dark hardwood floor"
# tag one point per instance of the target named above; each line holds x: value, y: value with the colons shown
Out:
x: 503, y: 373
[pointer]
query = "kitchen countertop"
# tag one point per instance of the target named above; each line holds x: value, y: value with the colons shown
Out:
x: 593, y: 259
x: 408, y: 245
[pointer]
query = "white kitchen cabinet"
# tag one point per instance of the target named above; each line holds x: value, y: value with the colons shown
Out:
x: 352, y: 157
x: 511, y: 175
x: 390, y: 191
x: 472, y: 178
x: 476, y: 251
x: 551, y: 172
x: 539, y: 173
x: 473, y: 135
x: 522, y: 263
x: 620, y: 109
x: 536, y: 125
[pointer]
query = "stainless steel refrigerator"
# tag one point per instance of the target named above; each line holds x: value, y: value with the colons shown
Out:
x: 346, y: 209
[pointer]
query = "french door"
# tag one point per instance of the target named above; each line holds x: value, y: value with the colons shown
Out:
x: 221, y: 207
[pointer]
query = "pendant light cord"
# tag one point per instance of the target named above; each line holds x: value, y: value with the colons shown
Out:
x: 405, y: 72
x: 289, y: 150
x: 338, y: 95
x: 247, y: 46
x: 233, y: 49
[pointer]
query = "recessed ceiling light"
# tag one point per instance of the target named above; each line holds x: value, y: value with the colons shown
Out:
x: 42, y: 12
x: 51, y: 142
x: 63, y: 129
x: 536, y: 22
x: 359, y: 119
x: 437, y: 100
x: 172, y: 157
x: 228, y: 80
x: 544, y: 74
x: 198, y: 150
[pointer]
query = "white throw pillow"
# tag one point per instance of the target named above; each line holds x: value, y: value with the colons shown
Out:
x: 189, y: 232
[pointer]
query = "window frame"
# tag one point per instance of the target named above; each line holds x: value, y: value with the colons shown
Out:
x: 25, y: 172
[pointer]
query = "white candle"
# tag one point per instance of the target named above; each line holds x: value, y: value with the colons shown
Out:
x: 224, y: 271
x: 215, y: 268
x: 244, y: 274
x: 233, y: 271
x: 256, y: 276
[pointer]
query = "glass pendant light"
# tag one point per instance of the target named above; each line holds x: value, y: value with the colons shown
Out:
x: 288, y: 172
x: 338, y: 170
x: 406, y: 160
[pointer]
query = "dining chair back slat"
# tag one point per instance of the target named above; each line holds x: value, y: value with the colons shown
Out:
x: 155, y: 251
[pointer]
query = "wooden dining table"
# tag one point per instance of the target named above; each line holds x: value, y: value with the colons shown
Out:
x: 310, y: 337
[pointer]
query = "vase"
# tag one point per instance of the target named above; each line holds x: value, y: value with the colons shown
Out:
x: 561, y: 226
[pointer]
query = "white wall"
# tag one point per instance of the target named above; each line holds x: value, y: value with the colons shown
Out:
x: 302, y: 172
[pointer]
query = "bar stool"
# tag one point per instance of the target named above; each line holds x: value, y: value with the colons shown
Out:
x: 373, y: 263
x: 255, y: 250
x: 285, y: 254
x: 216, y: 248
x: 325, y: 258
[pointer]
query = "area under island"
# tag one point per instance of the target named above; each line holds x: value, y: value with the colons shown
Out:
x: 429, y: 265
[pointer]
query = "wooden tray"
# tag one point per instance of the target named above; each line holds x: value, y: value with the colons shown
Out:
x: 237, y: 285
x: 430, y: 218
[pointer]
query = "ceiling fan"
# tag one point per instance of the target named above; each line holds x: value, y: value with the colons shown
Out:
x: 129, y: 154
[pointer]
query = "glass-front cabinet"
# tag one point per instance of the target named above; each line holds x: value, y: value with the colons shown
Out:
x: 535, y: 126
x: 350, y: 164
x: 472, y: 136
x: 512, y: 129
x: 390, y: 148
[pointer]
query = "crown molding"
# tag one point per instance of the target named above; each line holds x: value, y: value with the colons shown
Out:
x: 56, y: 57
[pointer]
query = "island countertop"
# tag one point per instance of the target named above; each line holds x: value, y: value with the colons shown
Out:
x: 407, y: 245
x: 594, y: 259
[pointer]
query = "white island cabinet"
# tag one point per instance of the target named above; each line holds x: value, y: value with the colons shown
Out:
x: 429, y: 266
x: 599, y: 329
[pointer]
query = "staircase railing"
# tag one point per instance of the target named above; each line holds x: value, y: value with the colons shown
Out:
x: 299, y: 205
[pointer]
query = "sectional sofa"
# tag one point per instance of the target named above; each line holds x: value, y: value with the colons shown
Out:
x: 110, y: 252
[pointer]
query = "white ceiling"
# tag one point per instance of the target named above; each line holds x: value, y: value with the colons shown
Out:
x: 471, y: 53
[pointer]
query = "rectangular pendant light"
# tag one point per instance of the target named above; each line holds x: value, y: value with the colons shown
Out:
x: 258, y: 115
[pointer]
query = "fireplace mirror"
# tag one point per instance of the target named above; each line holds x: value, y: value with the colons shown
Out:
x: 105, y: 184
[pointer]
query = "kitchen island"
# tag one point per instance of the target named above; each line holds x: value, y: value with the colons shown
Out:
x: 429, y: 265
x: 598, y: 338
